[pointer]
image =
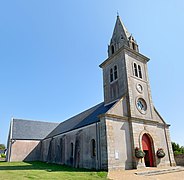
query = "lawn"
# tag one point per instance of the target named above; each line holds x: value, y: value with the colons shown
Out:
x: 40, y: 170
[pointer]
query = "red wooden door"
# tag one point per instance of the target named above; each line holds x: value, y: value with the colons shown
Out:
x: 147, y: 148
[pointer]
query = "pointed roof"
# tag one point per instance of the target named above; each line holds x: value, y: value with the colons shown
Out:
x: 124, y: 28
x: 31, y: 130
x: 120, y: 31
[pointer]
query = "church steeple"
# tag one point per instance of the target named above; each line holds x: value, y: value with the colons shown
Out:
x: 123, y: 64
x: 121, y: 37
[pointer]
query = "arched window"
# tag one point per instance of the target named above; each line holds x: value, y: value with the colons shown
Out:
x: 115, y: 73
x: 133, y: 45
x: 140, y: 73
x: 93, y: 148
x: 112, y: 49
x: 135, y: 70
x: 111, y: 75
x: 71, y: 146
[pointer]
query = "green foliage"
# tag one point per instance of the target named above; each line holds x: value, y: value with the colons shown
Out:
x: 177, y: 149
x: 41, y: 170
x: 2, y: 155
x: 2, y: 146
x: 139, y: 153
x: 160, y: 153
x: 177, y: 152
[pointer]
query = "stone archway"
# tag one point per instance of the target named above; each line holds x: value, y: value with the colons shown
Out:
x: 147, y: 146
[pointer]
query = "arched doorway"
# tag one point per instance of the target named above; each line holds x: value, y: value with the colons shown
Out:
x: 147, y: 147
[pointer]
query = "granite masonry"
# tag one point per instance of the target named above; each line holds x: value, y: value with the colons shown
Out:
x: 123, y: 132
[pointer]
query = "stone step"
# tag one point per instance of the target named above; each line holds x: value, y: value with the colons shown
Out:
x: 160, y: 171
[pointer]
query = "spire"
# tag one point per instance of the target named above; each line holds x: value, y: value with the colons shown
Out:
x: 121, y: 27
x: 120, y: 37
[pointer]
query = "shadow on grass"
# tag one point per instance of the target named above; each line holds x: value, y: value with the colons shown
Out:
x: 36, y: 165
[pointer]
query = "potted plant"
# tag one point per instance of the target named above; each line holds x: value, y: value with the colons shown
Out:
x: 139, y: 153
x: 160, y: 153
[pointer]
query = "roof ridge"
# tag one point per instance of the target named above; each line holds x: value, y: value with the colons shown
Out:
x: 19, y: 119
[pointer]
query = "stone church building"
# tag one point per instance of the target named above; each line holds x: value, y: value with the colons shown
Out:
x: 107, y: 135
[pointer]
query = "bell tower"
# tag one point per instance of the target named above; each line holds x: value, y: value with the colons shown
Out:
x: 121, y: 37
x: 125, y: 74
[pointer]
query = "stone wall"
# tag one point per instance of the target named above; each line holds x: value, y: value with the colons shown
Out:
x: 115, y: 89
x: 158, y: 138
x: 179, y: 159
x: 25, y: 150
x: 118, y: 144
x: 73, y: 148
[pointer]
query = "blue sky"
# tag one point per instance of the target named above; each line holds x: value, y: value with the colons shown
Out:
x: 50, y: 52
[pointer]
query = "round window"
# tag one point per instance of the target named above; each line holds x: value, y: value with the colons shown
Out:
x: 141, y: 105
x: 139, y: 88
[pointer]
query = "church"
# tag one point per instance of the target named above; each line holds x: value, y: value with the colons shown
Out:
x: 123, y: 132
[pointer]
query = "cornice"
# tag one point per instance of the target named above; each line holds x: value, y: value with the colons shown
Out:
x: 132, y: 119
x: 124, y: 47
x: 114, y: 116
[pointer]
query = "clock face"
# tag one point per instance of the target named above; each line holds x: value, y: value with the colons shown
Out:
x: 139, y: 88
x: 141, y: 105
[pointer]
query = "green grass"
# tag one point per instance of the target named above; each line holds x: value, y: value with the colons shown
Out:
x: 40, y: 170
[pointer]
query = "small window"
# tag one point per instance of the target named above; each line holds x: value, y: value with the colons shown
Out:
x: 111, y: 75
x: 135, y: 70
x: 133, y: 45
x: 93, y: 148
x: 112, y: 49
x: 140, y: 73
x: 115, y: 73
x: 71, y: 146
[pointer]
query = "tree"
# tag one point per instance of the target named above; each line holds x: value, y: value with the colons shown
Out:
x: 182, y: 149
x: 2, y: 146
x: 177, y: 149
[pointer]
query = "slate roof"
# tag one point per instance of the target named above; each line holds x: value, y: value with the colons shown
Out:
x: 38, y: 130
x: 85, y: 118
x: 31, y: 130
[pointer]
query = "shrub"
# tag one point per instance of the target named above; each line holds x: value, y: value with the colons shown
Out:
x: 177, y: 148
x: 2, y: 146
x: 177, y: 152
x: 2, y: 155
